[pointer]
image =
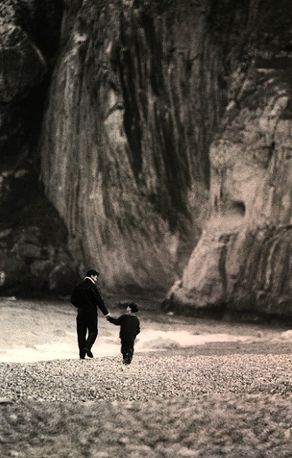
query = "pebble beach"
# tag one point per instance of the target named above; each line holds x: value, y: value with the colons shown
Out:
x: 209, y: 402
x: 228, y: 398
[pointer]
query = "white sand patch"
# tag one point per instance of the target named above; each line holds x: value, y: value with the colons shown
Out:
x: 47, y: 331
x: 155, y: 340
x: 151, y: 340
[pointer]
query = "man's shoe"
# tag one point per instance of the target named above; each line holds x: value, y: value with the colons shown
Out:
x: 89, y: 353
x: 82, y: 354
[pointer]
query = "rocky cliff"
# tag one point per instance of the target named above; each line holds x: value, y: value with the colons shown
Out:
x: 33, y: 238
x: 162, y: 140
x: 134, y: 102
x: 243, y: 259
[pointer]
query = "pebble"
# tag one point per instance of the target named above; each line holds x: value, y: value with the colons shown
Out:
x: 179, y: 403
x: 4, y: 401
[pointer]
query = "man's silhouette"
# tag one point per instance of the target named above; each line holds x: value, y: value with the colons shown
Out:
x: 86, y: 297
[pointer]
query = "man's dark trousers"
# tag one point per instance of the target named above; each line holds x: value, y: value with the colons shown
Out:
x: 86, y: 298
x: 86, y: 321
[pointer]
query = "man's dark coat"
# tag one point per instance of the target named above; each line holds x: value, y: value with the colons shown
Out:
x: 87, y: 299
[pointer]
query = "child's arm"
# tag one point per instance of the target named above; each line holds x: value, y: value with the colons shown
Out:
x: 113, y: 320
x: 138, y: 327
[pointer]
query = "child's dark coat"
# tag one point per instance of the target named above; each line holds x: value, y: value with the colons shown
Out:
x: 129, y: 328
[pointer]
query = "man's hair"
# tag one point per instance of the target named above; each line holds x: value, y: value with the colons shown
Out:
x: 92, y: 272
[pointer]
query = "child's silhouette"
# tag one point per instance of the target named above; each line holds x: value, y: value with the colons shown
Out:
x: 130, y: 327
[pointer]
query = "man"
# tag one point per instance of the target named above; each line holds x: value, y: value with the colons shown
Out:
x: 86, y: 297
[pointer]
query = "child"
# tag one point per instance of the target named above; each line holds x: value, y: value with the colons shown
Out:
x: 130, y: 327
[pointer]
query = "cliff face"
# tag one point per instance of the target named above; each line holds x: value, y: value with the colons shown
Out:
x: 134, y: 102
x: 33, y: 256
x: 164, y: 143
x: 243, y: 259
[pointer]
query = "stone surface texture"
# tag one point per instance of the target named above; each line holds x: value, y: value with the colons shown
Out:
x: 161, y: 132
x: 33, y: 254
x: 126, y: 134
x: 243, y: 259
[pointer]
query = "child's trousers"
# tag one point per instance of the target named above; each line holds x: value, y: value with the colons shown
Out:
x: 127, y: 350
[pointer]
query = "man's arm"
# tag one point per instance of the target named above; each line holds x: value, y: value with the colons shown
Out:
x: 100, y: 303
x: 75, y: 298
x: 138, y: 327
